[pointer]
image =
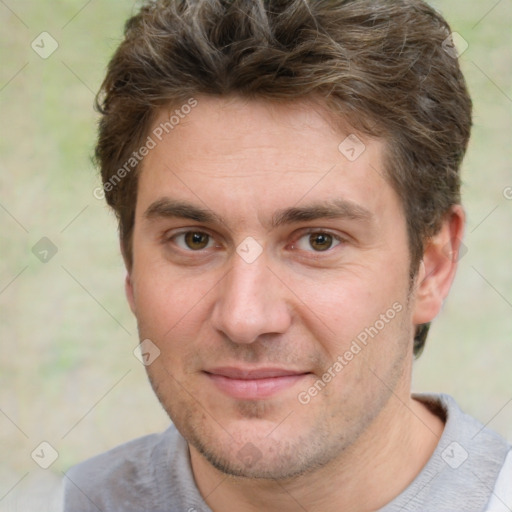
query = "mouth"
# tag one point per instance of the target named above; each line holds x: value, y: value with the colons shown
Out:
x: 254, y: 383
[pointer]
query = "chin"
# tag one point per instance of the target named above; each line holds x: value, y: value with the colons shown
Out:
x: 271, y: 462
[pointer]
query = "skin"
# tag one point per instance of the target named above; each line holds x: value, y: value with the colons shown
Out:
x: 361, y: 439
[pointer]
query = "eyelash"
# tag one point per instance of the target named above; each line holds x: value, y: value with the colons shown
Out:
x: 336, y: 238
x: 184, y: 233
x: 308, y: 233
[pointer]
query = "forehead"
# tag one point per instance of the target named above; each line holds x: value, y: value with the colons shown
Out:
x: 233, y: 154
x: 232, y: 126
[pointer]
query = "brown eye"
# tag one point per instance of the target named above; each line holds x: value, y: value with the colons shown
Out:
x: 320, y: 241
x: 196, y: 240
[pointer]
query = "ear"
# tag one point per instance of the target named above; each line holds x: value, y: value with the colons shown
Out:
x: 437, y: 269
x: 128, y: 283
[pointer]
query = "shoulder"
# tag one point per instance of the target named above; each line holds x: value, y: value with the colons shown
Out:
x: 501, y: 499
x: 130, y: 456
x: 124, y: 476
x: 462, y: 426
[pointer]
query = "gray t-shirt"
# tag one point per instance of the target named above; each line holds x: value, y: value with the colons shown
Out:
x: 153, y: 473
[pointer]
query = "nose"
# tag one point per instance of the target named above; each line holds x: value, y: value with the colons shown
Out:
x: 251, y: 302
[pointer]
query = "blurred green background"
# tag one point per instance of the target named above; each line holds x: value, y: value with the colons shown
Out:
x: 68, y: 375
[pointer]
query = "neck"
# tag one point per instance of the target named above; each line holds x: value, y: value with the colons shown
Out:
x: 376, y: 469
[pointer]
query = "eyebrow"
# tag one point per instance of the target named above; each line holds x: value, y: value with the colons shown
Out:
x: 330, y: 209
x: 169, y: 208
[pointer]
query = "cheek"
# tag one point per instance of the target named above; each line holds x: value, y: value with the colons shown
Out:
x: 165, y: 301
x: 347, y: 303
x: 359, y: 318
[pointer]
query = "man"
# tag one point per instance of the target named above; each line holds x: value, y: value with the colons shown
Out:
x: 286, y: 178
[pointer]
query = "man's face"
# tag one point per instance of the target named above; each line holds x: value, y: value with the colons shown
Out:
x: 261, y: 251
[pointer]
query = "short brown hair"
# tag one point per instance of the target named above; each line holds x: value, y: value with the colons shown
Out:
x: 382, y: 66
